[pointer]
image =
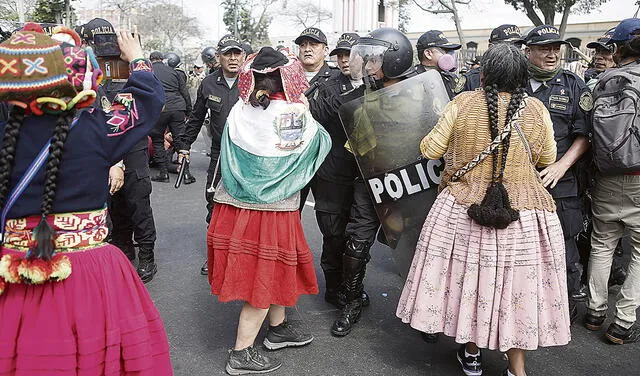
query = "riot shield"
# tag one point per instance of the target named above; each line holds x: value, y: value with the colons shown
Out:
x: 384, y: 129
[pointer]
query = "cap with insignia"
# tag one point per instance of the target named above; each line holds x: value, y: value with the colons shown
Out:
x: 94, y: 27
x: 603, y: 40
x: 229, y: 42
x: 435, y: 38
x: 505, y: 33
x: 346, y: 41
x: 542, y: 35
x: 312, y: 33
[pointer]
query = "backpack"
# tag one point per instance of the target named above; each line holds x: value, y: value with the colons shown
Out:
x: 616, y: 121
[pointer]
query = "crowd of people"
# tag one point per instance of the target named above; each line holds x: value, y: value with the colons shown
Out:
x: 533, y: 159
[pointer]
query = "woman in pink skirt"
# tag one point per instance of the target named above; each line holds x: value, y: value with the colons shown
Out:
x: 489, y: 266
x: 70, y: 303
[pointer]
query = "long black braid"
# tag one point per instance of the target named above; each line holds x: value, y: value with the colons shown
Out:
x: 8, y: 152
x: 495, y: 209
x: 44, y: 233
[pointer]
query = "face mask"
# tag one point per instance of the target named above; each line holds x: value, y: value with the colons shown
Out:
x: 447, y: 63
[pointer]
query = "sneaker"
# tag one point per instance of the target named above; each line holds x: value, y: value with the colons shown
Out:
x: 204, y: 270
x: 593, y: 322
x: 619, y: 335
x: 471, y: 365
x: 285, y: 335
x: 250, y: 361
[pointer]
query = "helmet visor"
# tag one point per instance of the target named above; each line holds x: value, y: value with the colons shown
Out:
x: 365, y: 60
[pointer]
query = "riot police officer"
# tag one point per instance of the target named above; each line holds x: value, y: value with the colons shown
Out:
x: 502, y: 34
x: 217, y: 94
x: 392, y: 62
x: 436, y: 52
x: 208, y: 56
x: 173, y: 61
x: 569, y: 102
x: 333, y: 188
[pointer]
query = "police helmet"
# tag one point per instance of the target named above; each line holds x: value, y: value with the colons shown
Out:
x: 208, y: 55
x: 397, y: 59
x: 172, y: 59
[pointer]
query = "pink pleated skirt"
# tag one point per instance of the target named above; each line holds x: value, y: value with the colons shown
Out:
x: 501, y: 289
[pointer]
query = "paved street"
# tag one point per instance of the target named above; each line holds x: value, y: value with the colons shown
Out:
x: 201, y: 329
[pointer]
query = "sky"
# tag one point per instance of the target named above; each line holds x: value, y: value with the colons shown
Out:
x: 479, y: 14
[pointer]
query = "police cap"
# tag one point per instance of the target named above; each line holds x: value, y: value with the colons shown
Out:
x: 94, y: 27
x: 603, y: 40
x: 435, y: 38
x: 229, y: 42
x: 544, y: 34
x: 626, y: 30
x: 346, y: 41
x: 505, y: 33
x: 311, y: 33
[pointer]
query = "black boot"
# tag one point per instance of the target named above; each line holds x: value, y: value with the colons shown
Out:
x: 162, y: 177
x: 188, y: 178
x: 354, y: 263
x: 147, y: 267
x: 130, y: 251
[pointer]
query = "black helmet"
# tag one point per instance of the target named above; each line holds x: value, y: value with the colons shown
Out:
x: 172, y: 59
x: 208, y: 54
x: 398, y: 57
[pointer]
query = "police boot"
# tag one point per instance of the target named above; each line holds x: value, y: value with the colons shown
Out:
x: 334, y: 288
x: 162, y: 177
x: 147, y: 267
x: 354, y: 265
x: 188, y: 178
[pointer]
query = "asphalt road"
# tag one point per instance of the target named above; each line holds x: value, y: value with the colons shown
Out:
x: 201, y: 329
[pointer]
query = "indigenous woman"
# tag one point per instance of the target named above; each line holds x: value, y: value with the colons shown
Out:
x: 71, y: 303
x: 489, y: 267
x: 271, y: 147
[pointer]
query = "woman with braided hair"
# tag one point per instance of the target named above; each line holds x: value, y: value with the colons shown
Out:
x: 70, y: 303
x: 489, y: 266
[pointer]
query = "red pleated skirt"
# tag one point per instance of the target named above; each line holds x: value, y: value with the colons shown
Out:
x: 99, y: 321
x: 260, y: 257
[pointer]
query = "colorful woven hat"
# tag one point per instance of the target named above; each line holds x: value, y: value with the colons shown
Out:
x: 269, y: 60
x: 41, y: 75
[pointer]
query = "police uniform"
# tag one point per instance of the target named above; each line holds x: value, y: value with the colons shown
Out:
x: 213, y: 100
x: 569, y: 102
x: 449, y: 79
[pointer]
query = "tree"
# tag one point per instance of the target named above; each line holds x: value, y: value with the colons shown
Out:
x: 126, y: 9
x: 548, y: 9
x: 306, y: 14
x: 403, y: 15
x: 249, y: 20
x: 446, y: 7
x: 10, y: 12
x: 165, y: 27
x: 54, y: 11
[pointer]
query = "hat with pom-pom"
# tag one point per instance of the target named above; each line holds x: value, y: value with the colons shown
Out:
x: 42, y: 74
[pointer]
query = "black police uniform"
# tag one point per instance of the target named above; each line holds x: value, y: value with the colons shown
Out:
x: 333, y: 182
x: 130, y: 207
x: 569, y: 102
x: 177, y: 108
x: 215, y: 99
x: 449, y: 79
x: 590, y: 74
x: 469, y: 82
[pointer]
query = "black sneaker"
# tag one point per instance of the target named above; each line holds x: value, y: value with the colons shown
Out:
x: 593, y: 322
x: 249, y: 361
x: 204, y: 270
x: 619, y: 335
x: 285, y: 335
x: 471, y: 365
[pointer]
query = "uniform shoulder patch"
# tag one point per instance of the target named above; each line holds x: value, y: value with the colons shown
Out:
x: 460, y: 84
x: 586, y: 101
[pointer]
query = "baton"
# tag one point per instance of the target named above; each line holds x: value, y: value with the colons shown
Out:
x: 183, y: 167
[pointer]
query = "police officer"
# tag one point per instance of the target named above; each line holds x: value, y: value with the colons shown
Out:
x: 173, y: 61
x: 217, y: 94
x: 436, y: 52
x: 176, y: 109
x: 130, y: 207
x: 569, y: 102
x: 312, y: 52
x: 333, y: 188
x: 602, y: 60
x: 208, y: 56
x: 393, y: 63
x: 502, y: 34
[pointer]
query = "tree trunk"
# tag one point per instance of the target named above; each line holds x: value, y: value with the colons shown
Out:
x: 565, y: 16
x: 531, y: 13
x: 456, y: 21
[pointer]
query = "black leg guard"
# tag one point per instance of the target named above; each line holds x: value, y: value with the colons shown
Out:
x: 354, y: 263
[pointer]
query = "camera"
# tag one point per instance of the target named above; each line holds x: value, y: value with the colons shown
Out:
x: 107, y: 51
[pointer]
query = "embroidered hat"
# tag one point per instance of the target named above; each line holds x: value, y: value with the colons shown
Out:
x: 346, y: 41
x: 435, y: 38
x: 312, y: 33
x: 544, y: 34
x: 42, y: 75
x: 603, y: 40
x: 269, y: 60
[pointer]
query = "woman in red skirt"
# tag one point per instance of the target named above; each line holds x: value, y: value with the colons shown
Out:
x: 271, y: 148
x: 70, y: 303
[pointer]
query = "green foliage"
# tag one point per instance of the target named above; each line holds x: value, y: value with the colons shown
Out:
x: 404, y: 15
x: 253, y: 20
x: 549, y: 8
x: 52, y: 11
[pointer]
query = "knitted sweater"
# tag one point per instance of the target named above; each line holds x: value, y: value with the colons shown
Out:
x: 463, y: 132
